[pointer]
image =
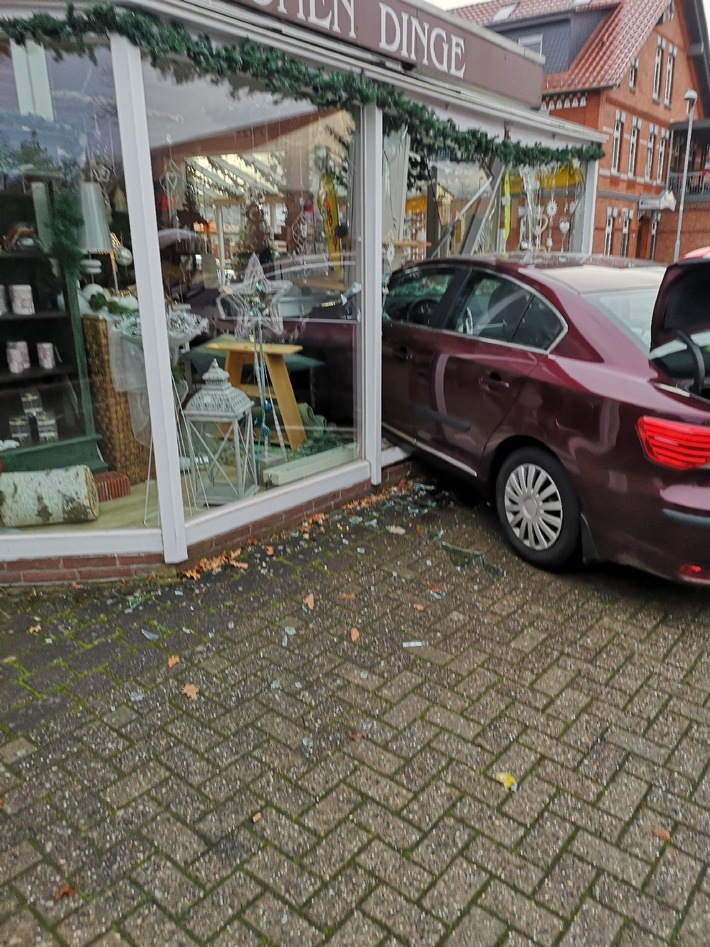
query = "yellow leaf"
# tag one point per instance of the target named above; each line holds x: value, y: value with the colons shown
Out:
x: 354, y: 634
x: 191, y: 573
x: 191, y: 691
x: 256, y: 817
x: 348, y: 596
x: 309, y: 601
x: 269, y: 550
x: 663, y: 834
x: 507, y: 781
x: 418, y: 608
x: 239, y: 565
x: 34, y: 629
x: 173, y: 660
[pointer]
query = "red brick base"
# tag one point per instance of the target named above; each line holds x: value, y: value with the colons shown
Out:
x: 63, y: 570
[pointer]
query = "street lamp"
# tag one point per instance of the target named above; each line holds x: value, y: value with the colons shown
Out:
x: 690, y: 97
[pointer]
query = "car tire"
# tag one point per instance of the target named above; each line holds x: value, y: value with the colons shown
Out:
x: 538, y: 508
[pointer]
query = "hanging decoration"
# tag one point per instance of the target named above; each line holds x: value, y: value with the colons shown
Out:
x: 284, y: 75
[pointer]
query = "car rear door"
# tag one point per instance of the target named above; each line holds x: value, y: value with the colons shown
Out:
x: 469, y: 378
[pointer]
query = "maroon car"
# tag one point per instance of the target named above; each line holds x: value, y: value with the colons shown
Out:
x: 575, y: 393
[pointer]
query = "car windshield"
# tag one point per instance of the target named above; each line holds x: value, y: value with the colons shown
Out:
x: 631, y: 310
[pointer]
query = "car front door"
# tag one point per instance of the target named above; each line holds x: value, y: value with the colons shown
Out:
x: 469, y: 378
x: 415, y: 305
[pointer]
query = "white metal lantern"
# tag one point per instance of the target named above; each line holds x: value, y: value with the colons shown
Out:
x: 221, y: 441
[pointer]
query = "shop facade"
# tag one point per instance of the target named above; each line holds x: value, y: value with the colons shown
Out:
x: 220, y: 189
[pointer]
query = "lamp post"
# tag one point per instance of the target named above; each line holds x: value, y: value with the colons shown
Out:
x: 690, y: 97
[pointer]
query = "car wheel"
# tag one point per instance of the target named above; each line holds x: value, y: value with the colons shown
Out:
x: 538, y: 508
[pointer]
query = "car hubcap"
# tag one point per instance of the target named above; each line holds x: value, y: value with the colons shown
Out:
x: 533, y: 506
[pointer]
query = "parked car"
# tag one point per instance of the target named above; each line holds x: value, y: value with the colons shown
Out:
x: 573, y: 392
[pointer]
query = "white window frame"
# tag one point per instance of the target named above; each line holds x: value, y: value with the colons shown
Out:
x: 609, y: 231
x: 532, y: 41
x: 616, y: 141
x: 633, y: 147
x: 657, y: 69
x: 662, y: 146
x: 626, y: 216
x: 668, y: 88
x: 633, y: 73
x: 650, y: 148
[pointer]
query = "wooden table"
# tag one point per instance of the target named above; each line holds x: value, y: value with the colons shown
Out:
x: 240, y: 353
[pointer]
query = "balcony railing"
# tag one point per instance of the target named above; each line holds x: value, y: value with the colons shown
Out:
x: 697, y: 186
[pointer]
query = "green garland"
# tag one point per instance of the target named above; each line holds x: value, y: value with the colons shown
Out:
x: 281, y: 74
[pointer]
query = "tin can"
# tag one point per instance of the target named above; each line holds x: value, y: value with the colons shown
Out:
x: 21, y: 300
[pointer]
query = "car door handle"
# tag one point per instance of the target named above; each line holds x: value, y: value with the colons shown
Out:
x: 494, y: 380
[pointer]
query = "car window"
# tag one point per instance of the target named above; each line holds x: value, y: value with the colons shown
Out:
x: 413, y: 296
x: 490, y: 308
x: 630, y: 310
x: 539, y: 327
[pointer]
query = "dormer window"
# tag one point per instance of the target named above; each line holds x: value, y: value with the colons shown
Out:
x: 504, y: 12
x: 633, y: 73
x: 532, y: 42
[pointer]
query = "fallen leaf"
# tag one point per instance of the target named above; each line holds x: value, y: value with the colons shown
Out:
x: 33, y: 629
x: 433, y: 588
x: 507, y: 781
x: 354, y: 634
x: 239, y: 565
x: 74, y: 586
x: 309, y: 601
x: 348, y: 596
x: 306, y: 535
x: 397, y: 530
x: 9, y: 659
x: 192, y: 573
x: 357, y: 735
x: 64, y: 891
x: 420, y: 530
x: 173, y: 660
x: 191, y: 691
x: 269, y: 550
x: 256, y: 817
x: 663, y: 834
x: 418, y: 608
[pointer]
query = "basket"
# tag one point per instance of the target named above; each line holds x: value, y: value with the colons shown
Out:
x: 121, y: 451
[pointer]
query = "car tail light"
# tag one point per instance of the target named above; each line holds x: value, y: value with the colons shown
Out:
x: 674, y: 444
x: 694, y: 573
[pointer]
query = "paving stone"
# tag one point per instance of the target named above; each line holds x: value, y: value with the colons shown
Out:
x: 520, y: 912
x: 455, y: 888
x: 338, y: 898
x: 404, y: 919
x: 593, y: 924
x: 359, y: 930
x: 476, y: 927
x: 565, y: 887
x: 167, y: 885
x: 281, y: 925
x: 647, y: 912
x: 285, y: 877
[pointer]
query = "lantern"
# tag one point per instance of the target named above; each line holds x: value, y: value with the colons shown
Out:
x: 220, y: 439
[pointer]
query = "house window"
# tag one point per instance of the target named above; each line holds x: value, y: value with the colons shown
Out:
x: 532, y: 42
x: 625, y: 221
x: 633, y: 73
x: 608, y: 231
x: 670, y: 12
x: 654, y: 235
x: 662, y: 144
x: 658, y: 63
x: 633, y: 147
x: 668, y: 89
x: 616, y: 142
x: 650, y: 148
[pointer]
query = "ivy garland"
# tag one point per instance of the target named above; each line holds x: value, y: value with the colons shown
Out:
x: 430, y: 135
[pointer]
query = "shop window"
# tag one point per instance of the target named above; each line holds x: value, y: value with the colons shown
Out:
x: 255, y: 200
x: 66, y: 277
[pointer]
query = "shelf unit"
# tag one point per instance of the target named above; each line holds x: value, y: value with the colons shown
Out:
x: 63, y: 390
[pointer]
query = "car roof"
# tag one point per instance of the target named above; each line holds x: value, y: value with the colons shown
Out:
x: 594, y: 278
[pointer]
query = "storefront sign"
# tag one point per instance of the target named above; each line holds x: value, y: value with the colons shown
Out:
x: 415, y: 36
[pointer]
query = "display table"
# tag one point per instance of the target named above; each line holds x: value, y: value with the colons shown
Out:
x: 240, y: 353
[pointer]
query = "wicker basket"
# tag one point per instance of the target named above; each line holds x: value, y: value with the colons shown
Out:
x: 121, y: 451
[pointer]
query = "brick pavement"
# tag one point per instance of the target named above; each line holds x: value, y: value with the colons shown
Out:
x: 322, y: 789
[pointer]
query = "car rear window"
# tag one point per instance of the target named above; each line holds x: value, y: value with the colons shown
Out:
x: 413, y: 296
x: 631, y: 310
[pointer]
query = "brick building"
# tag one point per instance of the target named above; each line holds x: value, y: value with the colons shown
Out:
x: 624, y: 67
